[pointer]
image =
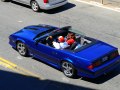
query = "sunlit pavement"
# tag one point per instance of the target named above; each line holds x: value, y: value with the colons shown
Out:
x: 100, y: 23
x: 108, y: 6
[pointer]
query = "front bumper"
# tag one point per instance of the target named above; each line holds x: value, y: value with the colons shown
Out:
x: 107, y: 67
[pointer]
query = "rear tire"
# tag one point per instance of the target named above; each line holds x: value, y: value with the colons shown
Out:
x: 68, y: 69
x: 35, y: 7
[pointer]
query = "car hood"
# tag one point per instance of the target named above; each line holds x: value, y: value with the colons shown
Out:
x: 25, y: 34
x: 30, y: 32
x: 95, y: 51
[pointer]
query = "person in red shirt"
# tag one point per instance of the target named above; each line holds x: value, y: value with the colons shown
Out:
x: 70, y: 41
x: 70, y: 38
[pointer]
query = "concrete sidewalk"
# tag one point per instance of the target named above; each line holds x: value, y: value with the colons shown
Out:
x: 107, y: 4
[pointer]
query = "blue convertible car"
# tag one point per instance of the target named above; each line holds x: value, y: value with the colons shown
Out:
x: 86, y: 57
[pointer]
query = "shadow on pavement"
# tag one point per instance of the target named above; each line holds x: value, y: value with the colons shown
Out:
x: 60, y: 9
x: 13, y: 81
x: 105, y: 77
x: 99, y: 80
x: 52, y: 11
x: 21, y: 4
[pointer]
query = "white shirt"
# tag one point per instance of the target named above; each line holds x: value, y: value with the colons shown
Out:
x: 63, y: 45
x: 60, y: 45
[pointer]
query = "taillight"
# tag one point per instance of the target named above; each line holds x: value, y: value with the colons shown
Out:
x: 94, y: 64
x: 45, y: 1
x: 97, y: 63
x: 114, y: 54
x: 90, y: 67
x: 103, y: 60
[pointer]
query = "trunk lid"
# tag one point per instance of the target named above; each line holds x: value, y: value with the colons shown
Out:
x: 95, y: 52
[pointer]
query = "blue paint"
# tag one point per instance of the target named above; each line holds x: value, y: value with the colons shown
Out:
x: 80, y: 59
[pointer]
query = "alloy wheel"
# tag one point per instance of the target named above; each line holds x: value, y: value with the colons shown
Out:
x: 68, y: 69
x: 35, y: 7
x: 21, y: 48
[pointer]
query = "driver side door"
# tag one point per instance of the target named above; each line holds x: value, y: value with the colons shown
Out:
x: 48, y: 54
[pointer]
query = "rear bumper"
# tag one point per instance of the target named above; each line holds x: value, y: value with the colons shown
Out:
x: 109, y: 66
x: 51, y: 6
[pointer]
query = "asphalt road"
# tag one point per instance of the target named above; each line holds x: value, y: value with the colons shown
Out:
x: 95, y: 22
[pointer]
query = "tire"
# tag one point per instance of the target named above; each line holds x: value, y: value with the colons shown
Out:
x: 35, y: 7
x: 22, y: 49
x: 68, y: 69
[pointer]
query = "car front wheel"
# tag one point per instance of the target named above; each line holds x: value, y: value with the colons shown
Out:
x: 22, y: 49
x: 35, y: 7
x: 68, y: 69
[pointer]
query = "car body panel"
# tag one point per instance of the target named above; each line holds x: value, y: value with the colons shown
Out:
x: 100, y: 70
x: 81, y: 59
x: 95, y: 51
x: 46, y: 6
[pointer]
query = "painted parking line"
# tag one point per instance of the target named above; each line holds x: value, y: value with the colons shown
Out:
x: 7, y: 64
x: 116, y: 9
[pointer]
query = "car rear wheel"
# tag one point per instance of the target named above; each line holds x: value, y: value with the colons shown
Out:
x: 22, y: 49
x: 68, y: 69
x: 35, y: 7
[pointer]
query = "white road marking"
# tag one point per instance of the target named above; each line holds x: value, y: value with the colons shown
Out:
x: 20, y: 21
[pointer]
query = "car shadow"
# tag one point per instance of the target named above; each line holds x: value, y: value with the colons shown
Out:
x: 14, y: 81
x: 60, y: 9
x: 99, y: 80
x: 59, y: 69
x: 20, y: 4
x: 103, y: 78
x: 52, y: 11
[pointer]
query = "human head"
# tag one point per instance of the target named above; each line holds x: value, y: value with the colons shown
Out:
x: 71, y: 35
x: 61, y: 39
x: 50, y: 37
x: 70, y: 41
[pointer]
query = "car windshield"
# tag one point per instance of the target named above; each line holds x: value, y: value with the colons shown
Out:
x: 44, y: 33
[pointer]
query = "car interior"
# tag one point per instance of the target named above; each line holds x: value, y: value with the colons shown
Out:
x: 80, y: 40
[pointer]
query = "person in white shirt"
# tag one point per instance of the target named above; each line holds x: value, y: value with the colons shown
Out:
x: 62, y: 44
